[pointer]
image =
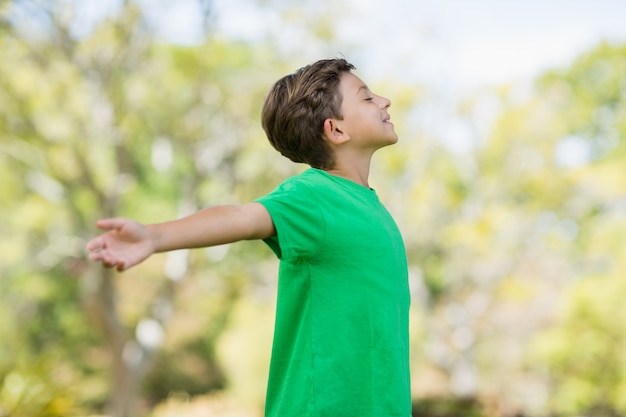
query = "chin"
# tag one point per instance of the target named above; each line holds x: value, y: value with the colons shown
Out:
x: 390, y: 142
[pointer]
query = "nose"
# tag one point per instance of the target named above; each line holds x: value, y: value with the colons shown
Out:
x: 385, y: 102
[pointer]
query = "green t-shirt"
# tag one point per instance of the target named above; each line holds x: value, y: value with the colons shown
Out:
x: 341, y: 332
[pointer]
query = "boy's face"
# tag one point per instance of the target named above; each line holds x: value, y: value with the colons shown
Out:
x: 365, y: 116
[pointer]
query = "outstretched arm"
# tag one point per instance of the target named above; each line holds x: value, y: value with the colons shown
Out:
x: 127, y: 243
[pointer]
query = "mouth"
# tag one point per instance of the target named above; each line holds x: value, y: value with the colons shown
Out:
x: 387, y: 119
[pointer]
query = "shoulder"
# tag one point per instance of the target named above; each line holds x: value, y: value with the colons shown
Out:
x: 311, y: 176
x: 294, y: 207
x: 299, y: 192
x: 309, y: 181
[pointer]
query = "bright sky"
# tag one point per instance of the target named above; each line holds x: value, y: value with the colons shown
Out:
x: 500, y: 40
x: 467, y: 41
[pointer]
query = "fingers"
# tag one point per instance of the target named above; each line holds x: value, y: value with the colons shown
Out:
x: 111, y: 223
x: 99, y: 242
x: 95, y: 244
x: 108, y: 261
x: 99, y: 249
x: 111, y: 263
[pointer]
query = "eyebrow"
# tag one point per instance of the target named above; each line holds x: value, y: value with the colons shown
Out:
x: 363, y: 87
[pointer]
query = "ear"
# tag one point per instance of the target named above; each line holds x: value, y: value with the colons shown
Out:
x: 334, y: 133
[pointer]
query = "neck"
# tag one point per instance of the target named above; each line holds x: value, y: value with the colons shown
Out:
x: 354, y: 170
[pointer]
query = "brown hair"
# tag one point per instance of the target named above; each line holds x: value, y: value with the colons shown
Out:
x: 296, y: 106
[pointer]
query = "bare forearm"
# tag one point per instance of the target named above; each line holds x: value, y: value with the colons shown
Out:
x: 127, y: 242
x: 212, y: 226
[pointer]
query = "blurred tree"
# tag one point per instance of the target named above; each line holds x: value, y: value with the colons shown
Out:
x: 499, y: 232
x: 583, y: 350
x: 105, y: 124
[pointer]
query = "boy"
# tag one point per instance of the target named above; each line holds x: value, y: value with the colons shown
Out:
x: 341, y: 332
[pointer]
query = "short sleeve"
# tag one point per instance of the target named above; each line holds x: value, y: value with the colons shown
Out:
x: 298, y: 219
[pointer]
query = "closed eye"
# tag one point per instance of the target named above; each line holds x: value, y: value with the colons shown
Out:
x: 369, y: 99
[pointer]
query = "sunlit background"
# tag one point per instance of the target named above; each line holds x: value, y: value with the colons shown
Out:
x: 508, y: 183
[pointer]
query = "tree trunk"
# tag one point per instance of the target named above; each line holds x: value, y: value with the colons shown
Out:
x: 100, y: 303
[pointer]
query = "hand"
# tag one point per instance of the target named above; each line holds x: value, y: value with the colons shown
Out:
x: 126, y: 243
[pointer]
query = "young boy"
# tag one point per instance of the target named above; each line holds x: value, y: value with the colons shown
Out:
x: 341, y: 332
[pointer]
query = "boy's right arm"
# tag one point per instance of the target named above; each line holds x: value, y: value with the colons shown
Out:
x: 127, y: 243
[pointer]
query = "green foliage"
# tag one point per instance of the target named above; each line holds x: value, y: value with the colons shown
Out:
x: 590, y: 98
x: 36, y: 389
x: 584, y: 353
x: 447, y: 407
x: 500, y: 232
x: 115, y: 124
